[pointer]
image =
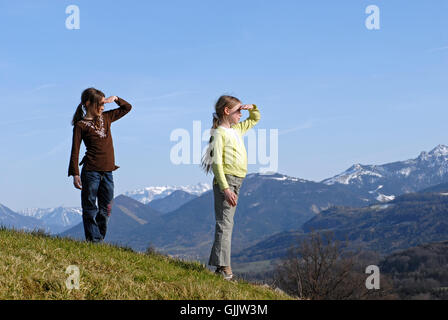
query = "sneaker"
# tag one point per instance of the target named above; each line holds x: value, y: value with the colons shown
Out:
x: 225, y: 272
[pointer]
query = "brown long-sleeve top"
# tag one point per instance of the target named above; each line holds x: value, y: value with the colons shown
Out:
x: 98, y: 141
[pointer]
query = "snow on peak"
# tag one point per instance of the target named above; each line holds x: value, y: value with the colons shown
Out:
x: 356, y: 172
x: 355, y: 167
x: 149, y: 194
x: 384, y: 198
x: 51, y: 213
x: 285, y: 178
x: 436, y: 157
x: 275, y: 176
x: 439, y: 151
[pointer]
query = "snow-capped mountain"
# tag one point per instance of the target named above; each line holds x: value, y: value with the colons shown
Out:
x: 267, y: 204
x: 281, y: 200
x: 11, y: 219
x: 275, y: 176
x: 384, y: 182
x: 356, y: 173
x: 149, y: 194
x: 57, y: 219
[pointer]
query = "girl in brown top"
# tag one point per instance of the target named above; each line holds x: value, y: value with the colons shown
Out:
x: 92, y: 126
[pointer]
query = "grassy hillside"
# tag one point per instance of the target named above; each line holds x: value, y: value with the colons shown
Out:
x: 33, y: 266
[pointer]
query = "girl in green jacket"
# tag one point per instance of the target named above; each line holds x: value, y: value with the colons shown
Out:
x: 227, y: 158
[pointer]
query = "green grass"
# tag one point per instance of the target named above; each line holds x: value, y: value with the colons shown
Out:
x: 255, y: 266
x: 33, y: 266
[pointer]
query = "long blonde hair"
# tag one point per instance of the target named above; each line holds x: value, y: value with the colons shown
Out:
x: 223, y: 102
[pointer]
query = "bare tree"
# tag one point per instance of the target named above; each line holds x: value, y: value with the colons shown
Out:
x: 320, y: 269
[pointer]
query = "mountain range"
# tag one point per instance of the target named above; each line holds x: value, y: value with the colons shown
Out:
x: 56, y: 220
x: 384, y: 182
x: 172, y: 202
x: 272, y: 204
x: 271, y: 208
x: 13, y: 220
x: 146, y: 195
x: 60, y: 219
x: 407, y: 221
x: 267, y: 204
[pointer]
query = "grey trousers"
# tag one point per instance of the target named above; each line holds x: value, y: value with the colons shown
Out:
x: 224, y: 213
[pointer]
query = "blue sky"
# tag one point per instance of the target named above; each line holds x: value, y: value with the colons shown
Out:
x: 337, y: 92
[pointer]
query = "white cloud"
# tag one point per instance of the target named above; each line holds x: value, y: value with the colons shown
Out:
x: 41, y: 87
x: 438, y: 49
x: 306, y: 125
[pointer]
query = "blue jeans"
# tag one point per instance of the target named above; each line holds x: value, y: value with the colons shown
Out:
x: 96, y: 185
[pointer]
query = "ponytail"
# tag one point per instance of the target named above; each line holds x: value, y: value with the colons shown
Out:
x: 216, y: 121
x: 208, y: 157
x: 79, y: 114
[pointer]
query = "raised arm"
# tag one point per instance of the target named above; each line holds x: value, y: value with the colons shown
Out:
x: 115, y: 114
x: 250, y: 122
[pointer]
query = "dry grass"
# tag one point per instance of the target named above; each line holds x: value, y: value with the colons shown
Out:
x: 33, y: 266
